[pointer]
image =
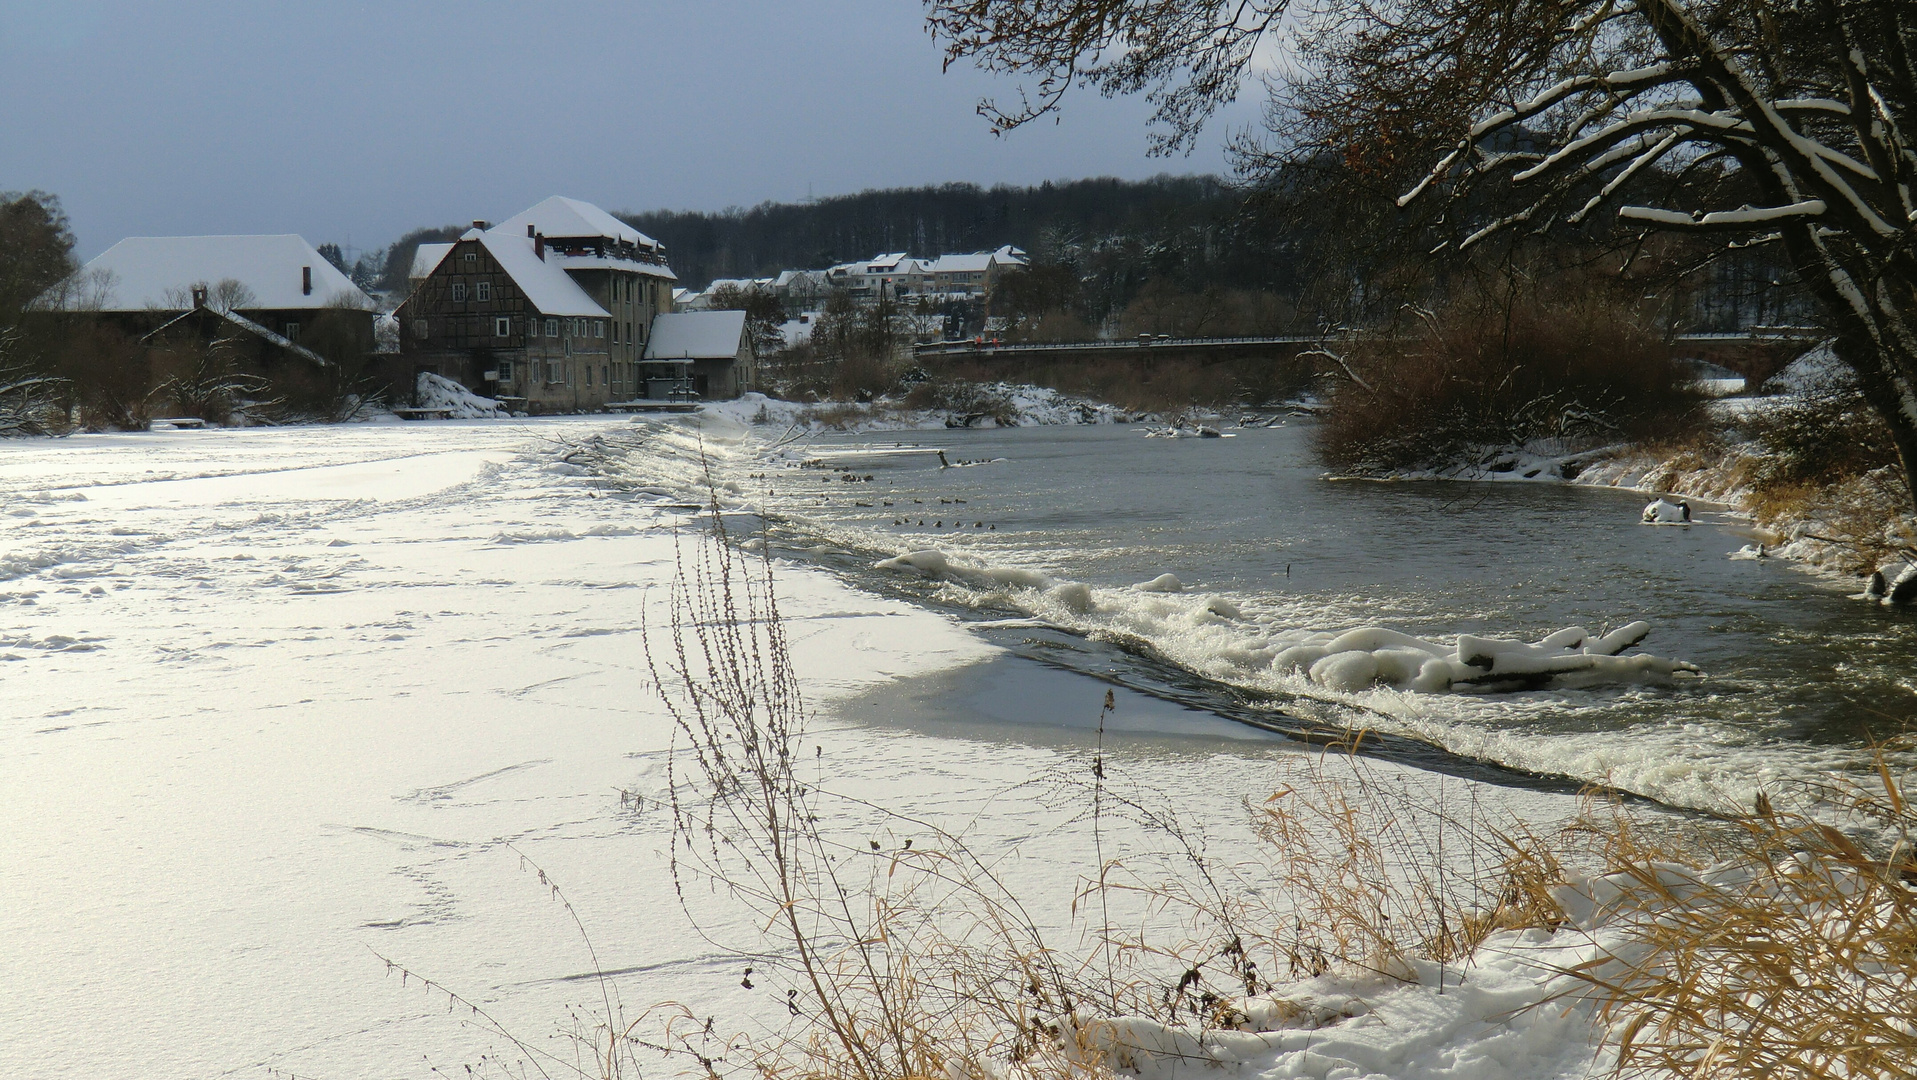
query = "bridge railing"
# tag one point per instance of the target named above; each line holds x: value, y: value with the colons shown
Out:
x: 946, y: 347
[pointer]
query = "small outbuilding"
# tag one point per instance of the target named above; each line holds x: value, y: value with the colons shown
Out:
x: 708, y: 353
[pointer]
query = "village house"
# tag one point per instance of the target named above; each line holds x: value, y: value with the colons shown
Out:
x: 277, y: 284
x: 550, y: 310
x: 958, y: 276
x: 895, y: 276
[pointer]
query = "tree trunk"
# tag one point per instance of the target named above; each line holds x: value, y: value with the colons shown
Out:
x: 1887, y: 375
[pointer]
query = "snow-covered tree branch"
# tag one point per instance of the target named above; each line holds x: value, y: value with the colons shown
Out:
x: 1741, y: 122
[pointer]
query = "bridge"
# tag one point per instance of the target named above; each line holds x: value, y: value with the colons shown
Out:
x: 1140, y: 348
x: 1756, y: 353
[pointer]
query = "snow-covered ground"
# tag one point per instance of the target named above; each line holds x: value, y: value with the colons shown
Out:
x: 274, y: 703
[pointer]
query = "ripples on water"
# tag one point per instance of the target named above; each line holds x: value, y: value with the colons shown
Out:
x: 1800, y: 678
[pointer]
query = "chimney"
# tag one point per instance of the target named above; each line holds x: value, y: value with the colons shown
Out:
x: 539, y: 246
x: 306, y: 281
x: 482, y: 226
x: 199, y: 297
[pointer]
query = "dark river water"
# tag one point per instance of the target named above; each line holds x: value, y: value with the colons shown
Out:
x: 1797, y: 678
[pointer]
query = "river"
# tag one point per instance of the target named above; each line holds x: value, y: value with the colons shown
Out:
x: 1798, y: 678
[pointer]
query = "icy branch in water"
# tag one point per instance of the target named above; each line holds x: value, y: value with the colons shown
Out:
x: 1375, y: 656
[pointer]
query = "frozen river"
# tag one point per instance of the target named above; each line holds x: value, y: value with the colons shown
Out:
x: 277, y: 704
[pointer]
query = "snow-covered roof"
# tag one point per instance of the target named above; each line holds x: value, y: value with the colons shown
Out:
x: 426, y: 257
x: 563, y: 217
x: 696, y: 335
x: 546, y: 284
x: 143, y: 273
x: 560, y: 218
x: 978, y: 261
x: 607, y: 262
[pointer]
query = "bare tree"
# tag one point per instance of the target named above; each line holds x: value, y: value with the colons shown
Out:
x: 1748, y: 122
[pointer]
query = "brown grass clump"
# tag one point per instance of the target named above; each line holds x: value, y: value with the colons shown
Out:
x: 1477, y: 376
x: 1796, y: 956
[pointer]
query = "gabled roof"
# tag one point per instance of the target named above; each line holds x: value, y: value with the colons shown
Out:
x: 978, y: 261
x: 144, y: 273
x: 696, y: 335
x: 560, y: 218
x: 426, y: 257
x: 243, y: 324
x: 563, y: 217
x: 546, y: 284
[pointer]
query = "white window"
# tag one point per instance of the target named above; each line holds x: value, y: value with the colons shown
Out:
x: 292, y: 331
x: 459, y: 292
x: 471, y: 256
x: 598, y: 328
x: 505, y: 371
x: 588, y: 374
x: 483, y: 291
x: 603, y: 380
x: 629, y: 336
x: 552, y: 372
x: 552, y: 327
x: 502, y: 327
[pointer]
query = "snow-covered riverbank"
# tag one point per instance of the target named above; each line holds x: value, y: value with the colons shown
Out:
x: 277, y: 700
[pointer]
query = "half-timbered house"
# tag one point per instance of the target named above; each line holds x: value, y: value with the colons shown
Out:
x: 549, y: 310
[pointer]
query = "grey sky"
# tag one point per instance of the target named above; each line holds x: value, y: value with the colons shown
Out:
x: 356, y: 121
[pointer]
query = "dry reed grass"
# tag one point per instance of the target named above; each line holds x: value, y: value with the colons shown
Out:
x: 1792, y: 954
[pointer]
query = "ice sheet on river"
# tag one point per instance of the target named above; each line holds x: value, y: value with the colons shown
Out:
x: 1347, y: 661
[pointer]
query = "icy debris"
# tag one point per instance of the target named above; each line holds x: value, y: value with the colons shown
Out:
x: 1163, y: 583
x: 932, y: 563
x: 1752, y: 552
x: 1374, y: 656
x: 1663, y: 511
x: 1893, y: 583
x: 1348, y: 662
x: 537, y: 536
x: 533, y: 536
x: 438, y: 392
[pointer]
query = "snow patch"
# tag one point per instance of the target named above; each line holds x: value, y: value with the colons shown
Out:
x: 438, y: 392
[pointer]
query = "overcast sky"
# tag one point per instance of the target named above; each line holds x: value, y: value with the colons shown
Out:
x: 354, y: 122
